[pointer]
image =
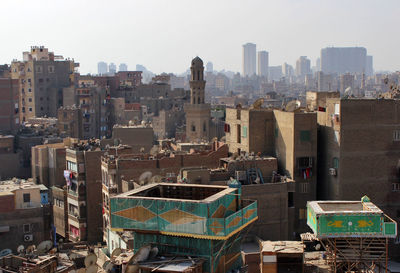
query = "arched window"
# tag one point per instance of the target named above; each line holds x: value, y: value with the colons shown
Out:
x: 193, y: 128
x: 198, y: 74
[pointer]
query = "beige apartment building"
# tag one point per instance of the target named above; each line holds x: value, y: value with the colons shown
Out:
x: 42, y: 76
x: 291, y: 137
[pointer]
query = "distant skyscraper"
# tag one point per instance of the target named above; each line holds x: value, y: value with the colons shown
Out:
x: 303, y: 66
x: 343, y: 60
x: 369, y: 70
x: 274, y: 73
x: 318, y: 64
x: 102, y: 68
x: 249, y: 59
x: 123, y: 67
x: 210, y: 67
x: 140, y: 67
x: 287, y: 70
x: 112, y: 68
x: 262, y: 63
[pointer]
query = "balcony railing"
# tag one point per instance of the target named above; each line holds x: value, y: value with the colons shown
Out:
x: 178, y: 222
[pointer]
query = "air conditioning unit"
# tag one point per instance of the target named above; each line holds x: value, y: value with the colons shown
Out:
x: 332, y: 171
x: 28, y: 237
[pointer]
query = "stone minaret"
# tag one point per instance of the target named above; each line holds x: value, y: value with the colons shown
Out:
x: 197, y: 112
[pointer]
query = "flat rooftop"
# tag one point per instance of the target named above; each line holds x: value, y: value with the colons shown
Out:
x: 184, y: 192
x: 334, y: 207
x: 283, y: 247
x: 8, y: 186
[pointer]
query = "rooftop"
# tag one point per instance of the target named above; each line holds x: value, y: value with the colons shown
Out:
x: 283, y: 247
x: 8, y: 186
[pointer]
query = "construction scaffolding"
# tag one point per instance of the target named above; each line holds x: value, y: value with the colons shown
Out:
x: 355, y: 234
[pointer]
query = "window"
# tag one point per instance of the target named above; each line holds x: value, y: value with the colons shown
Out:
x: 72, y: 166
x: 65, y: 126
x: 337, y: 109
x: 395, y: 186
x: 204, y: 127
x: 244, y: 131
x: 29, y: 80
x: 30, y: 109
x: 65, y: 114
x: 27, y: 197
x: 38, y: 69
x: 50, y: 69
x: 193, y: 128
x: 305, y: 162
x: 335, y: 162
x: 30, y: 99
x: 304, y: 187
x: 238, y: 133
x: 227, y: 128
x: 23, y: 90
x: 290, y: 199
x: 302, y: 214
x: 238, y: 114
x: 27, y: 228
x: 396, y: 135
x: 29, y: 90
x: 41, y: 80
x: 305, y: 136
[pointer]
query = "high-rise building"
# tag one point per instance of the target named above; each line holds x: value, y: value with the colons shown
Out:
x: 197, y: 111
x: 303, y: 66
x: 42, y: 76
x: 318, y: 64
x: 123, y: 67
x: 262, y: 63
x: 369, y: 70
x: 342, y: 60
x: 112, y: 68
x: 249, y: 59
x: 210, y: 67
x: 102, y: 68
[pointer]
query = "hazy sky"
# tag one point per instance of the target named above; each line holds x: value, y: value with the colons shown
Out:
x: 164, y: 35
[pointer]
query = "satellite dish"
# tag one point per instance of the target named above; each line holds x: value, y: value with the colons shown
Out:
x: 153, y: 252
x: 44, y: 246
x: 92, y: 269
x: 5, y: 252
x: 144, y: 178
x: 116, y: 253
x: 292, y: 105
x: 258, y: 103
x: 348, y: 91
x: 90, y: 260
x: 20, y: 249
x: 156, y: 179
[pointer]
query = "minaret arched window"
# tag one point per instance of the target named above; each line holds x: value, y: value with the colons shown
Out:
x: 198, y: 74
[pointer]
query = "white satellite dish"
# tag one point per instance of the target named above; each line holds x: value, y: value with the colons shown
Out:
x: 5, y: 252
x: 44, y: 246
x: 116, y: 252
x: 91, y: 269
x: 20, y: 249
x: 292, y: 105
x: 144, y: 178
x: 90, y: 260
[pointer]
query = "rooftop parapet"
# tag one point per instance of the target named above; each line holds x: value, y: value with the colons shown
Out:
x: 330, y: 219
x: 198, y: 211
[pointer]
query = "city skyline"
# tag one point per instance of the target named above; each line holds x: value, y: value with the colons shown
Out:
x: 286, y: 29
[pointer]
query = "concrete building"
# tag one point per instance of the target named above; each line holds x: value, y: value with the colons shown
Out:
x: 9, y: 108
x: 346, y: 81
x: 303, y: 66
x: 70, y: 122
x: 341, y: 60
x: 275, y: 73
x: 102, y: 68
x: 263, y: 63
x: 197, y: 111
x: 24, y: 214
x: 209, y: 67
x: 60, y: 211
x: 249, y: 60
x: 166, y: 123
x: 140, y: 138
x: 291, y: 137
x: 83, y: 178
x: 325, y: 82
x: 42, y: 77
x: 359, y: 150
x: 11, y: 158
x: 129, y: 78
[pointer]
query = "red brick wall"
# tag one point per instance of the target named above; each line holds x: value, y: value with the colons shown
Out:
x: 7, y: 203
